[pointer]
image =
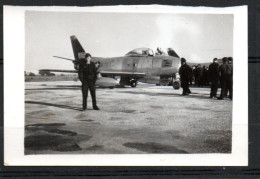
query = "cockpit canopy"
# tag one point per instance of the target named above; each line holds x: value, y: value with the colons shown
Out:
x: 141, y: 52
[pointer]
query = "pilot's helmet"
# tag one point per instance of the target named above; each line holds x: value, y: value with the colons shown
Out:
x: 215, y: 60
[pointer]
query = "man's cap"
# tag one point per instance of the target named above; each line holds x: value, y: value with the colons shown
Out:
x: 183, y: 60
x: 87, y: 55
x: 215, y: 59
x: 230, y: 60
x: 224, y: 59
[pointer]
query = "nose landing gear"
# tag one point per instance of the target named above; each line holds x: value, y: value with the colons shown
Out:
x: 127, y: 81
x: 176, y: 85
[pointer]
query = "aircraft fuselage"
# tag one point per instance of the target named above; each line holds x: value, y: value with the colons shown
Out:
x: 150, y: 65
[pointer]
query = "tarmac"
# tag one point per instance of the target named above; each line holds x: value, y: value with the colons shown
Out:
x: 145, y: 119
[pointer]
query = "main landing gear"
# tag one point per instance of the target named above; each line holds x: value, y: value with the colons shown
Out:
x: 128, y: 81
x: 133, y: 83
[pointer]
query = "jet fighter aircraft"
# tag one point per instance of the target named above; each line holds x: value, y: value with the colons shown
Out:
x: 140, y: 64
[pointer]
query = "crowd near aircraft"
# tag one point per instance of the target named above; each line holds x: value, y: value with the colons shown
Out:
x: 140, y: 64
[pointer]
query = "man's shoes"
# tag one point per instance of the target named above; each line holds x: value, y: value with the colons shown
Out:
x: 84, y: 109
x: 220, y: 98
x: 95, y: 108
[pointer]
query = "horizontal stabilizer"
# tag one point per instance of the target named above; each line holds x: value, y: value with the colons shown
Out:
x: 64, y: 58
x: 54, y: 70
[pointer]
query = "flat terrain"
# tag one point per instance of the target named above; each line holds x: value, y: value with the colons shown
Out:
x: 39, y: 78
x: 145, y: 119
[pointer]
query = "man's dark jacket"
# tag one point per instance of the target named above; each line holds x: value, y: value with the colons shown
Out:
x: 185, y: 72
x: 226, y: 71
x: 87, y: 72
x: 214, y: 71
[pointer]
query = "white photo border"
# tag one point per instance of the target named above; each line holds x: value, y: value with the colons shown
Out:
x: 14, y: 59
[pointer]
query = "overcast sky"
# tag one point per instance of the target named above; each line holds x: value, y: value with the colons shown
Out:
x: 198, y: 38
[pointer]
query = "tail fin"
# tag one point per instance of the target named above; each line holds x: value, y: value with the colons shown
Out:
x: 76, y: 46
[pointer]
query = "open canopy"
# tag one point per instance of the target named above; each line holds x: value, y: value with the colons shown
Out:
x: 141, y: 52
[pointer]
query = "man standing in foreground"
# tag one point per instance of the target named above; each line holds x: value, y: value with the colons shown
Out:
x: 185, y: 72
x: 226, y: 73
x: 214, y: 77
x: 88, y: 75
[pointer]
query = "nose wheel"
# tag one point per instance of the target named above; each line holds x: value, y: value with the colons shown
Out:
x: 176, y: 85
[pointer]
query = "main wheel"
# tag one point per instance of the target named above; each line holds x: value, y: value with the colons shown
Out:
x: 133, y: 83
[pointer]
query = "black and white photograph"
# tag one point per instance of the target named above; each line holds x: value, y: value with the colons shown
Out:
x: 118, y: 82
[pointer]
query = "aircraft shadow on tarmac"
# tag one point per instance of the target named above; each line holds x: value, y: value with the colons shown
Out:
x: 54, y: 105
x: 60, y: 87
x: 192, y: 95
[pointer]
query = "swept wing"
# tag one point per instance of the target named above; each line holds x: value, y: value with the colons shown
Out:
x: 106, y: 73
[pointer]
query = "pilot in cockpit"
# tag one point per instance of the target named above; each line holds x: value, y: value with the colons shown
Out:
x: 159, y: 51
x: 145, y: 52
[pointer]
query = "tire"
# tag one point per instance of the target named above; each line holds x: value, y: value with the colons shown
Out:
x: 176, y: 85
x: 133, y: 83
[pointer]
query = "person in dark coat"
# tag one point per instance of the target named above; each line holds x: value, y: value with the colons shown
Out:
x: 204, y: 75
x: 192, y: 75
x: 200, y: 75
x: 185, y: 72
x: 226, y: 73
x: 214, y: 77
x: 87, y: 73
x: 230, y: 62
x: 207, y: 76
x: 196, y: 75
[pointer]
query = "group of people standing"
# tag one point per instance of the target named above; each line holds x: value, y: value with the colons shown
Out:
x: 200, y: 74
x: 216, y: 75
